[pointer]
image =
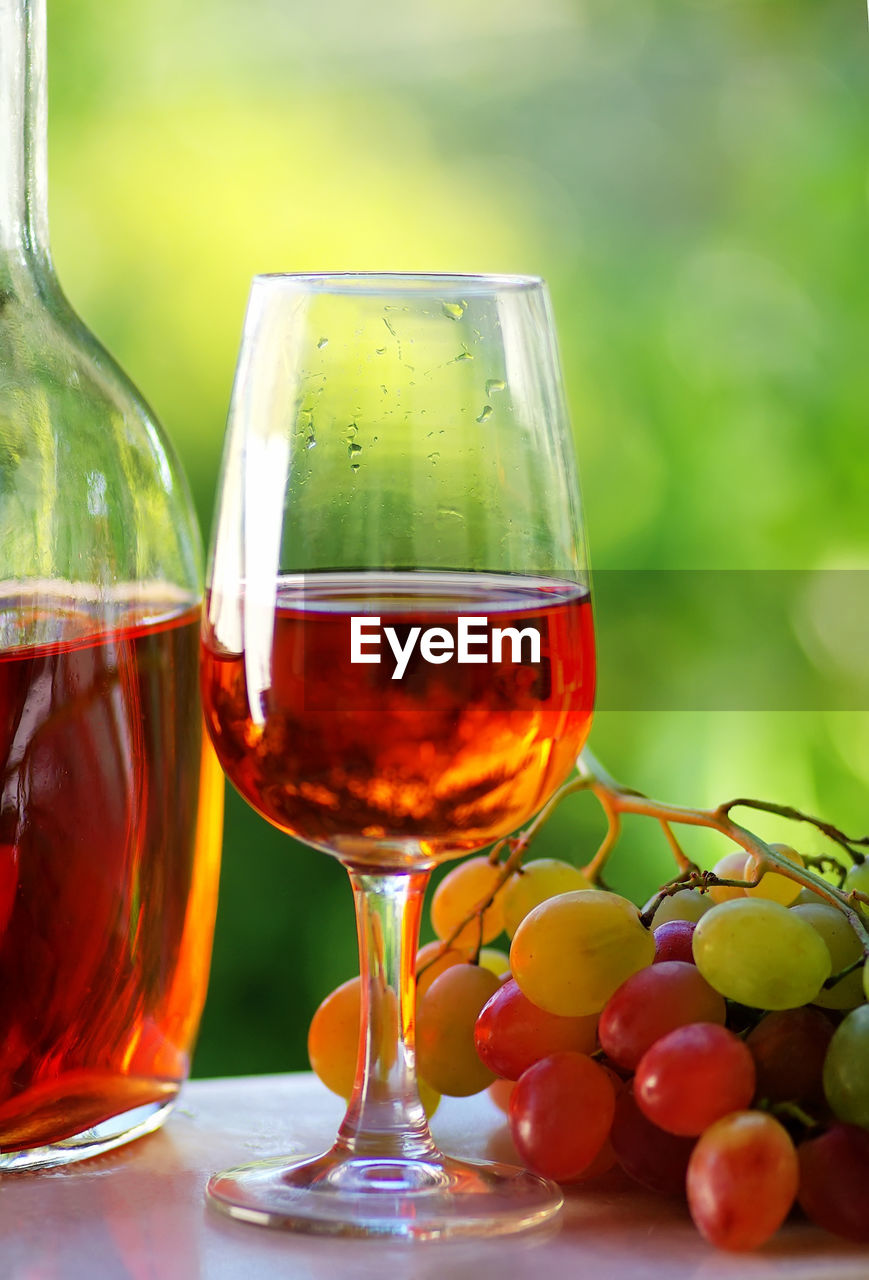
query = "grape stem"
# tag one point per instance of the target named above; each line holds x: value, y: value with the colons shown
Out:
x: 792, y: 1111
x: 616, y: 799
x: 850, y: 844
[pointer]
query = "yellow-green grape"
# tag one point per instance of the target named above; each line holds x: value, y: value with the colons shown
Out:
x: 846, y: 1068
x: 571, y: 953
x: 460, y: 891
x: 446, y: 1056
x: 333, y: 1037
x: 538, y: 880
x: 730, y: 867
x: 774, y: 887
x: 759, y: 953
x: 494, y: 959
x: 844, y: 948
x: 687, y: 904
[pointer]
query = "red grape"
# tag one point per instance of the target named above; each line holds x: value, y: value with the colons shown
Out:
x: 561, y: 1110
x: 512, y: 1033
x: 788, y: 1047
x: 693, y: 1076
x: 673, y: 941
x: 602, y: 1163
x: 742, y: 1180
x: 834, y: 1181
x: 656, y: 1159
x: 652, y: 1002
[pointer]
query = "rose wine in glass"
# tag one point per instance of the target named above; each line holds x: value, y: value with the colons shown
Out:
x: 397, y: 662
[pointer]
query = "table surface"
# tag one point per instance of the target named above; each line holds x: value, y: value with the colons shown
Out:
x: 139, y: 1213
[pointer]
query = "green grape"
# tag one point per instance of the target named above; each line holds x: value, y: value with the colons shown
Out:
x: 538, y: 880
x: 844, y: 947
x: 460, y: 891
x: 858, y: 878
x: 775, y: 887
x: 846, y: 1068
x: 761, y: 954
x: 687, y: 904
x: 446, y: 1055
x: 571, y: 953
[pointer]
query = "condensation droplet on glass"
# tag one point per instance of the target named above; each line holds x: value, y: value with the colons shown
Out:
x: 351, y: 433
x: 353, y: 450
x: 433, y: 457
x: 311, y: 441
x: 380, y: 351
x: 495, y: 384
x: 322, y: 343
x: 454, y: 310
x: 354, y: 466
x: 486, y: 413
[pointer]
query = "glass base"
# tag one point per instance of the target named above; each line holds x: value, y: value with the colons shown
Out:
x: 341, y: 1195
x: 93, y: 1141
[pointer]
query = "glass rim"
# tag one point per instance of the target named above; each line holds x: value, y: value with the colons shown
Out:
x: 398, y: 283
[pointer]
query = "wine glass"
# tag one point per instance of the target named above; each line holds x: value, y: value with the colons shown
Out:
x: 397, y: 662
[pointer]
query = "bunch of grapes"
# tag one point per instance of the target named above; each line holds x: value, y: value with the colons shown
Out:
x: 708, y: 1054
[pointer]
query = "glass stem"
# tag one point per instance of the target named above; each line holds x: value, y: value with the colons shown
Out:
x: 385, y: 1117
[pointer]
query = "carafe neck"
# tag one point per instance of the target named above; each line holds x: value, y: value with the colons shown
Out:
x: 23, y: 137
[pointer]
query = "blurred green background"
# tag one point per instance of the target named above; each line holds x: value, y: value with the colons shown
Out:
x: 691, y: 178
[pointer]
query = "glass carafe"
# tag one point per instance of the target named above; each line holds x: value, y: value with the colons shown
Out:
x: 111, y: 803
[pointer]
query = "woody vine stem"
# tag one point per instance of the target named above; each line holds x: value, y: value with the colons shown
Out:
x: 616, y: 800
